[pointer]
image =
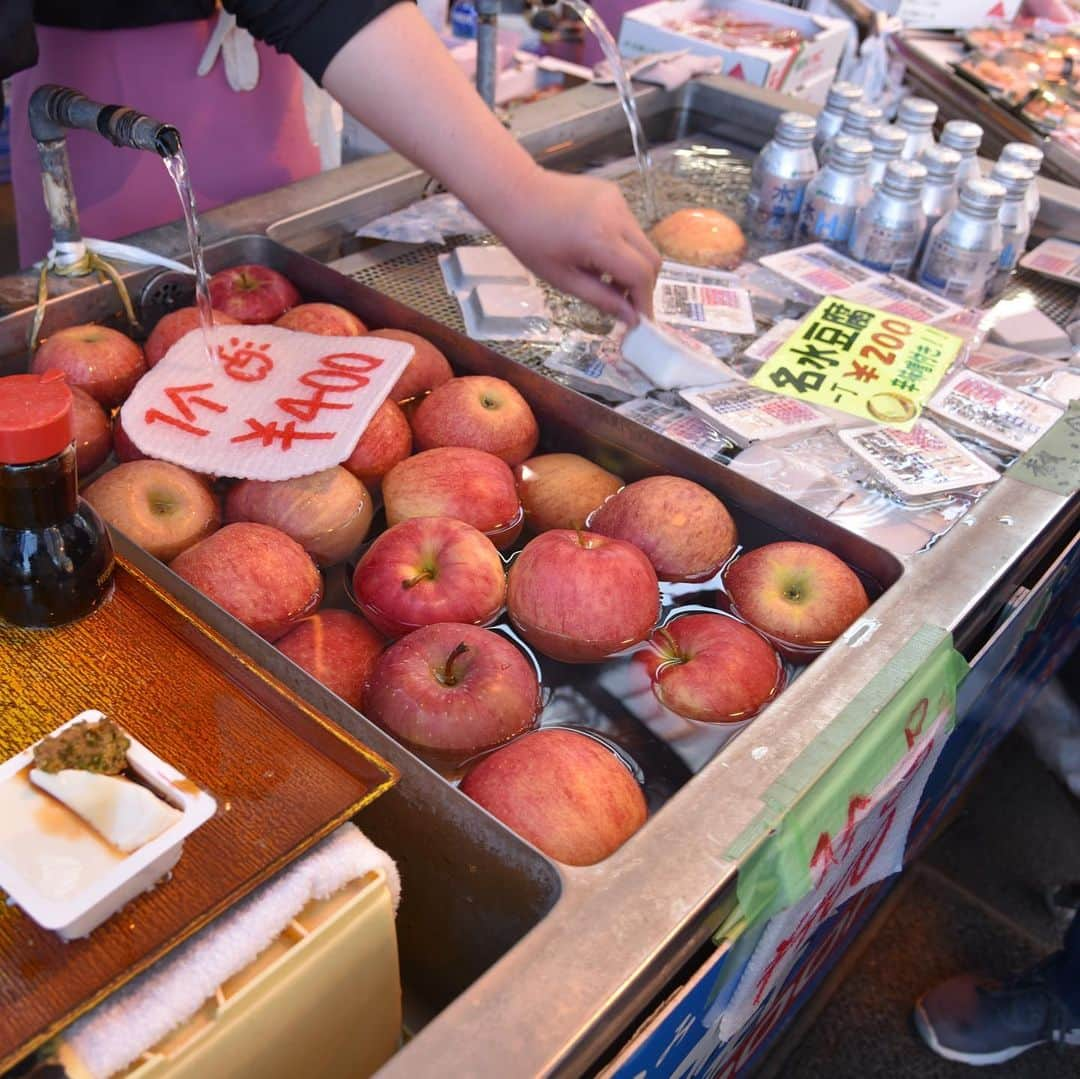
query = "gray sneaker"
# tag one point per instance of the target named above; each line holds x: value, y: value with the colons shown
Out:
x: 977, y: 1022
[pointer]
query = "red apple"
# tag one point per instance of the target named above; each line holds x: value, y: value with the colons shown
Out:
x: 328, y: 513
x: 560, y: 490
x: 453, y: 690
x: 478, y: 411
x: 563, y: 791
x: 453, y: 481
x: 712, y: 668
x: 426, y: 570
x: 93, y: 435
x: 386, y: 440
x: 258, y: 574
x: 252, y: 294
x: 338, y: 648
x: 177, y: 324
x: 795, y: 593
x: 684, y: 529
x: 578, y: 596
x: 97, y: 359
x: 162, y: 507
x: 326, y: 319
x: 427, y: 369
x: 123, y: 447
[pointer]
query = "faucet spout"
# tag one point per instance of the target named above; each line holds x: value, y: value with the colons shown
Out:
x: 53, y: 109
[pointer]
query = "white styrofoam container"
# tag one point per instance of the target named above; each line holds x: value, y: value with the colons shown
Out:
x: 812, y: 65
x: 121, y: 878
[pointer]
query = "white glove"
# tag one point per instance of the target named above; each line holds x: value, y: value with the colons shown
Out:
x: 237, y: 47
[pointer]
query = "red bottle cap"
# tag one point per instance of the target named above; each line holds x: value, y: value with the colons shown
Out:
x: 35, y: 417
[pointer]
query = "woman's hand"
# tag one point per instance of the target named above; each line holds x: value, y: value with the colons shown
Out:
x: 575, y: 232
x: 578, y: 234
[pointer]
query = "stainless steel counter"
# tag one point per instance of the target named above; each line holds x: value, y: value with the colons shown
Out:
x: 618, y: 932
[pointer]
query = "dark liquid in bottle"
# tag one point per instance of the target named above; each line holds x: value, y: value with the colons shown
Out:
x: 56, y: 559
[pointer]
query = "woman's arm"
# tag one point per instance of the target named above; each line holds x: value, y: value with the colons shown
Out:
x: 395, y: 76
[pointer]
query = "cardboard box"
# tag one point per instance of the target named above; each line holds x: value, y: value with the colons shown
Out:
x: 809, y: 66
x: 958, y: 15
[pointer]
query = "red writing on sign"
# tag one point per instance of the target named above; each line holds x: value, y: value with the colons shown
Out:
x: 270, y: 433
x: 184, y: 399
x: 247, y: 362
x: 332, y: 376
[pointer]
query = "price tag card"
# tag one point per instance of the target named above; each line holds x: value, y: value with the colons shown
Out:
x: 819, y: 269
x: 745, y: 414
x: 271, y: 404
x: 702, y: 299
x: 680, y: 424
x: 998, y: 414
x: 1055, y: 258
x: 900, y: 297
x: 918, y: 463
x: 869, y: 363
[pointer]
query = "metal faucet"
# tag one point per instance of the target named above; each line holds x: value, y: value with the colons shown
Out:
x: 54, y: 108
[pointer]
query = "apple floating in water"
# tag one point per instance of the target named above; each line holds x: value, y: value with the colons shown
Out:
x: 258, y: 574
x: 426, y: 570
x: 480, y: 412
x: 252, y: 294
x: 386, y: 441
x: 712, y: 668
x: 797, y: 594
x: 450, y: 691
x: 565, y: 792
x: 97, y: 359
x: 324, y: 319
x: 454, y: 481
x: 427, y: 369
x: 685, y: 530
x: 560, y: 490
x: 328, y: 513
x: 579, y: 597
x: 338, y: 648
x: 176, y: 324
x: 162, y: 507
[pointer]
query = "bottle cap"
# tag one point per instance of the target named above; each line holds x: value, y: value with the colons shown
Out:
x: 916, y: 113
x: 842, y: 95
x: 35, y: 417
x: 1023, y: 153
x: 849, y: 153
x: 860, y: 118
x: 983, y: 197
x: 962, y: 135
x: 1014, y: 178
x: 796, y: 128
x: 904, y: 177
x: 941, y: 161
x: 887, y: 140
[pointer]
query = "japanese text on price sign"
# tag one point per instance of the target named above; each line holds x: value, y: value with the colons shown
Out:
x: 870, y: 363
x: 272, y: 404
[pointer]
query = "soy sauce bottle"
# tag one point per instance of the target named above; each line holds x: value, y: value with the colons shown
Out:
x: 56, y: 559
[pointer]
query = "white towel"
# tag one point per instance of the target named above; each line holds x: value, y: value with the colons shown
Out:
x: 134, y: 1019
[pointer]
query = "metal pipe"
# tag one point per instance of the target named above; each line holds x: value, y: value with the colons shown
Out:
x: 52, y: 109
x: 487, y: 49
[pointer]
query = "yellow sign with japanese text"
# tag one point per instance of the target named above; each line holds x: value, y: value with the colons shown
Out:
x: 873, y: 364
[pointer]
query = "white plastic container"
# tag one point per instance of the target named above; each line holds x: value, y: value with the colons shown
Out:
x: 59, y: 871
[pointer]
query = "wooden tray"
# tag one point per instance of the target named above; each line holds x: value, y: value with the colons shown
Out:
x: 283, y: 778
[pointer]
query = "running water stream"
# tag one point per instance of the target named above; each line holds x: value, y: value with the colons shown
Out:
x: 177, y: 167
x: 596, y: 26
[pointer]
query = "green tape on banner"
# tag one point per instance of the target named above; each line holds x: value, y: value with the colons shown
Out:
x: 1053, y: 463
x: 850, y: 758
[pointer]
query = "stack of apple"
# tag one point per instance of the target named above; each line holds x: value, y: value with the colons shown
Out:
x: 452, y: 461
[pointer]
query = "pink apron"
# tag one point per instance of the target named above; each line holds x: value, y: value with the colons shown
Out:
x: 237, y: 144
